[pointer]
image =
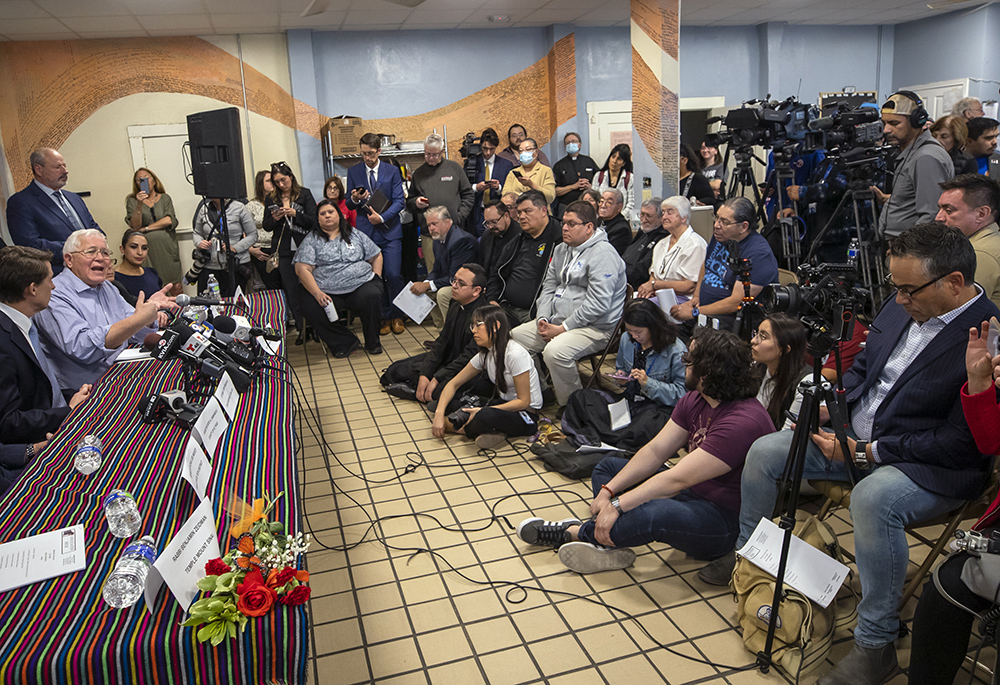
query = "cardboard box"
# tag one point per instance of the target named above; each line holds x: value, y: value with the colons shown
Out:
x: 343, y: 134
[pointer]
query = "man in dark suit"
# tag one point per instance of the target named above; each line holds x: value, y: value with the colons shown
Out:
x: 491, y: 172
x: 384, y: 228
x: 453, y: 247
x: 43, y: 214
x: 914, y: 453
x: 31, y: 404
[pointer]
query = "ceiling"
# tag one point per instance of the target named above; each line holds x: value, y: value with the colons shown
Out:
x: 73, y: 19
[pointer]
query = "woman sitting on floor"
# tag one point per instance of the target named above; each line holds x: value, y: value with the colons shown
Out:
x: 510, y: 368
x: 780, y: 346
x: 650, y: 370
x: 336, y: 264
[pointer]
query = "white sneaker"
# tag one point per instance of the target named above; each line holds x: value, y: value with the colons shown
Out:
x: 584, y: 557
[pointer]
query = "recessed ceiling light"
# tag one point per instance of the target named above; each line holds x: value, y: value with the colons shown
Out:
x: 498, y: 18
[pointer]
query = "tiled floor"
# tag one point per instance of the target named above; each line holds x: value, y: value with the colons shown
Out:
x: 434, y: 586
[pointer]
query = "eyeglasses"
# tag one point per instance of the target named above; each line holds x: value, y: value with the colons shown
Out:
x: 92, y: 252
x: 459, y: 284
x: 723, y: 222
x: 475, y: 325
x: 906, y: 292
x: 573, y: 224
x: 491, y: 224
x: 369, y: 154
x: 281, y: 168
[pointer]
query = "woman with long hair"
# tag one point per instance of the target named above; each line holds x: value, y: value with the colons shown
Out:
x: 509, y: 366
x: 339, y: 265
x: 263, y: 248
x: 333, y: 189
x: 150, y: 210
x: 290, y: 211
x: 713, y: 167
x: 131, y: 273
x: 780, y: 346
x: 617, y: 173
x: 651, y: 374
x: 691, y: 183
x: 952, y: 133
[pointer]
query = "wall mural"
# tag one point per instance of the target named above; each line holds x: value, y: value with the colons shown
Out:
x: 52, y: 87
x: 655, y: 108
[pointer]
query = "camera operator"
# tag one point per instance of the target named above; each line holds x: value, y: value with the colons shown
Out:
x: 719, y: 291
x: 804, y: 166
x: 922, y: 164
x: 915, y: 455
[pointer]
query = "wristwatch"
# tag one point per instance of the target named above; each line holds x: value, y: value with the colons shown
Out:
x: 860, y: 455
x: 29, y: 453
x: 617, y: 506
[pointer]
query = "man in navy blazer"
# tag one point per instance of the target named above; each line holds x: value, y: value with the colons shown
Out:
x: 491, y: 171
x: 384, y: 229
x: 43, y: 214
x: 908, y: 437
x: 453, y: 247
x: 31, y: 404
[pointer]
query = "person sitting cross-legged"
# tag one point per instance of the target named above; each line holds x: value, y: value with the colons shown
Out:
x: 694, y: 505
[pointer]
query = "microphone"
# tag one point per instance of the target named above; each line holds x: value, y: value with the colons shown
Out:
x: 821, y: 124
x: 240, y: 329
x: 183, y: 300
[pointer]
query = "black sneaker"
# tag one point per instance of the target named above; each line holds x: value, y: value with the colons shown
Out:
x: 403, y: 391
x: 536, y: 531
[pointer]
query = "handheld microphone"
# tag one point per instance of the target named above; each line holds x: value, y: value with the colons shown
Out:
x: 240, y: 329
x: 183, y: 300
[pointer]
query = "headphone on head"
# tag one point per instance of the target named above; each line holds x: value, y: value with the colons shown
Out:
x: 919, y: 116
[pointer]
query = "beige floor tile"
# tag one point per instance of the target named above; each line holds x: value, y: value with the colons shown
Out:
x: 433, y: 615
x: 558, y: 655
x: 540, y: 623
x: 590, y: 676
x: 444, y: 645
x: 466, y: 672
x: 509, y: 667
x: 337, y: 636
x: 493, y: 634
x: 378, y: 598
x: 344, y: 668
x: 333, y: 607
x: 477, y: 605
x: 414, y: 678
x: 386, y: 625
x: 635, y: 669
x: 390, y: 658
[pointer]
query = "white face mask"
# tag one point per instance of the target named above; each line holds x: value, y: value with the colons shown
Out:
x: 526, y: 158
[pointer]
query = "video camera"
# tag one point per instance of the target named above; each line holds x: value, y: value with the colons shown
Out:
x: 764, y: 122
x: 471, y: 151
x: 825, y: 299
x: 846, y: 130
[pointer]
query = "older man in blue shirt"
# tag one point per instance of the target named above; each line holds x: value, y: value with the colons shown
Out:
x: 88, y: 323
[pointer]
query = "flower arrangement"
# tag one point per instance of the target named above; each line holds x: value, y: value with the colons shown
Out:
x: 259, y: 571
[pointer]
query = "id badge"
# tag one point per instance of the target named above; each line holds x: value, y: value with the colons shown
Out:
x: 560, y: 290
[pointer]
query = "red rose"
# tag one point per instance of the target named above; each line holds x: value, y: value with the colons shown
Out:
x: 297, y: 595
x: 216, y: 567
x: 284, y: 575
x: 256, y: 598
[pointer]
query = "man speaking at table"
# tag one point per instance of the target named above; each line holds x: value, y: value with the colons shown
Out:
x: 88, y: 323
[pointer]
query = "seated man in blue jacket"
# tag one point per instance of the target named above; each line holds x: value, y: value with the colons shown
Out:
x: 907, y: 435
x: 453, y: 247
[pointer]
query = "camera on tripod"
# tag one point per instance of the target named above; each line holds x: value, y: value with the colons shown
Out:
x: 846, y: 130
x: 764, y: 122
x: 471, y: 151
x: 825, y: 298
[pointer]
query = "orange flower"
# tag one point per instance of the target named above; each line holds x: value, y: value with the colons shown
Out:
x: 248, y: 518
x: 279, y: 578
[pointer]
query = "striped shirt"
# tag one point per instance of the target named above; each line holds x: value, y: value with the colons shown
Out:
x: 915, y: 338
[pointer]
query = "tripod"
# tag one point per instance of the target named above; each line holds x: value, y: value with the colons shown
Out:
x: 750, y: 313
x: 820, y: 342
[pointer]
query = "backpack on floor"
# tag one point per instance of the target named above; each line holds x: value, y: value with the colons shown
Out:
x: 805, y: 630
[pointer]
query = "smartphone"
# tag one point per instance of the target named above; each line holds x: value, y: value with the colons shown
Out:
x: 144, y: 185
x: 992, y: 336
x: 360, y: 190
x: 517, y: 174
x: 617, y: 375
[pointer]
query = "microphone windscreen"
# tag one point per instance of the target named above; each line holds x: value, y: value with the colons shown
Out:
x: 182, y: 300
x: 225, y: 324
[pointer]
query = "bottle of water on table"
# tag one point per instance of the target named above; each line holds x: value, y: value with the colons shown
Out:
x: 89, y: 455
x: 124, y: 586
x: 214, y: 290
x: 122, y: 513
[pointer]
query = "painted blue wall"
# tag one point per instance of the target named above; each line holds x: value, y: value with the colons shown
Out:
x: 720, y: 60
x: 947, y: 47
x: 827, y: 58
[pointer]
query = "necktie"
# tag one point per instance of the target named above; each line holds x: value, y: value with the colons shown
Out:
x: 486, y: 193
x: 57, y: 397
x: 371, y: 181
x: 64, y: 206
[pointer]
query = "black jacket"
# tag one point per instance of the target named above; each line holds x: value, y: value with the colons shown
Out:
x: 454, y: 347
x: 458, y: 248
x: 299, y: 226
x: 498, y: 286
x: 619, y: 232
x: 26, y: 412
x: 638, y: 255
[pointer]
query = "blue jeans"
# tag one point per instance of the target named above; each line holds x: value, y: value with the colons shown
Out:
x: 883, y: 503
x: 685, y: 521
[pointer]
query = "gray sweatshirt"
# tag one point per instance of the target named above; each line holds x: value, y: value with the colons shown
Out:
x: 584, y: 286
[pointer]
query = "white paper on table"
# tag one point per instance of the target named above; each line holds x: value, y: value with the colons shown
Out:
x: 667, y: 299
x: 33, y: 559
x: 815, y: 574
x: 417, y: 307
x: 154, y: 581
x: 620, y: 415
x: 272, y: 347
x: 182, y: 562
x: 196, y: 468
x: 133, y: 354
x: 599, y: 448
x: 210, y: 426
x: 227, y: 395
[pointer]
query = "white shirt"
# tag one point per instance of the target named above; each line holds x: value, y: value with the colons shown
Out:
x: 915, y: 338
x: 516, y: 361
x: 682, y: 262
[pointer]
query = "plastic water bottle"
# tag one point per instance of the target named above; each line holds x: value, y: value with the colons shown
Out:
x: 331, y: 311
x: 852, y: 251
x: 213, y: 287
x: 89, y: 455
x: 124, y: 586
x: 122, y: 513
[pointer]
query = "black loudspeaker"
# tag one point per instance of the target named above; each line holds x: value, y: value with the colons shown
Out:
x: 217, y: 153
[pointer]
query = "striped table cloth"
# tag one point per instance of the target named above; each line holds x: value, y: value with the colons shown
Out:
x: 60, y: 630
